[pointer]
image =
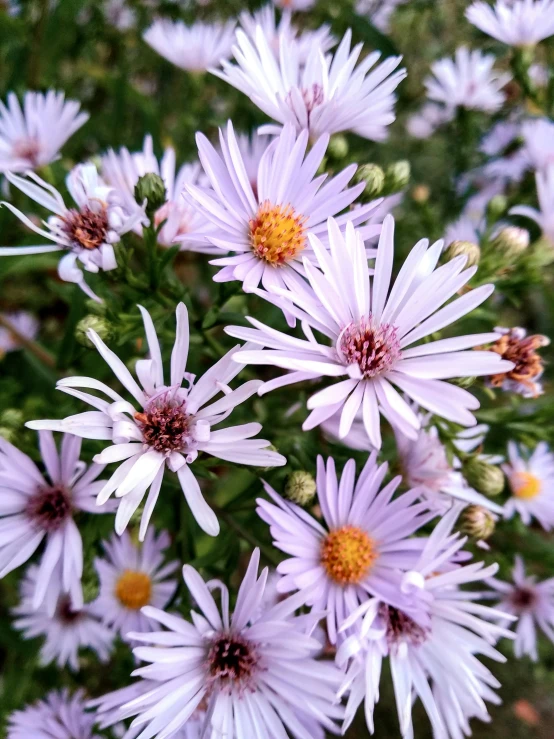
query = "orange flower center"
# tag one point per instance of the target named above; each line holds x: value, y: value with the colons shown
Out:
x: 133, y: 589
x: 525, y: 485
x: 347, y: 554
x: 277, y: 233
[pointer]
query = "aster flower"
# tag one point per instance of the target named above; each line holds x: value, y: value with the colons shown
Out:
x: 87, y: 233
x: 58, y: 716
x: 173, y: 425
x: 433, y: 643
x: 298, y: 6
x: 254, y: 672
x: 424, y: 123
x: 267, y: 227
x: 133, y: 577
x: 327, y: 94
x: 356, y: 438
x: 544, y: 217
x: 65, y: 630
x: 24, y: 323
x: 538, y: 137
x: 194, y: 48
x: 369, y: 339
x: 362, y: 546
x: 32, y: 136
x: 36, y: 508
x: 531, y: 480
x: 467, y: 81
x: 379, y: 12
x: 122, y: 170
x: 464, y: 229
x: 514, y: 22
x: 531, y: 602
x: 515, y: 346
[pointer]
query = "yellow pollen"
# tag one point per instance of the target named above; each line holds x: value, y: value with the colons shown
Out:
x: 347, y: 554
x: 525, y: 485
x: 277, y: 233
x: 133, y: 589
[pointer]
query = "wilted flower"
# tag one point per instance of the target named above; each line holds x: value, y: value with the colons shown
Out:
x: 531, y: 479
x: 194, y: 48
x: 514, y: 22
x: 515, y: 346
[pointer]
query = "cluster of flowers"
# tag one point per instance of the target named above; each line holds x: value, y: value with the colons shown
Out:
x: 376, y: 567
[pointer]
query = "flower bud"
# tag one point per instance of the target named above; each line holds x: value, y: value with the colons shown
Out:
x: 300, y: 487
x: 374, y: 179
x: 338, y: 146
x: 511, y: 242
x: 421, y: 194
x: 103, y: 328
x: 8, y: 434
x: 12, y: 418
x: 467, y: 248
x: 398, y: 175
x: 496, y: 207
x: 150, y: 187
x: 484, y: 477
x: 477, y: 522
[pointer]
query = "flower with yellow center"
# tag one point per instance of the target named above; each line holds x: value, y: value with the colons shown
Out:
x: 347, y: 555
x: 133, y: 589
x: 277, y: 233
x: 525, y: 485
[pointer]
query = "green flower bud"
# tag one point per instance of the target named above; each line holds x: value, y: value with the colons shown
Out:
x: 300, y: 487
x: 338, y: 146
x: 511, y: 242
x: 12, y: 418
x: 484, y: 477
x: 464, y: 382
x: 467, y: 248
x: 374, y: 179
x: 150, y: 187
x: 8, y: 434
x: 477, y: 522
x: 398, y: 176
x: 497, y: 207
x: 103, y: 328
x: 92, y: 306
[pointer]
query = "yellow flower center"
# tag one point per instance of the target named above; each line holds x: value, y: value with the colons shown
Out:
x: 525, y: 485
x: 133, y: 589
x: 347, y: 554
x: 277, y: 233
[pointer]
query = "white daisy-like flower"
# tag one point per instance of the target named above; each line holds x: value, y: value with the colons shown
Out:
x: 267, y: 227
x: 36, y: 507
x: 531, y: 480
x: 361, y: 549
x: 514, y: 22
x: 59, y: 715
x: 370, y: 328
x: 195, y: 48
x: 538, y: 137
x: 253, y: 672
x: 356, y: 438
x: 132, y: 577
x: 87, y: 233
x: 252, y: 148
x: 172, y: 426
x: 32, y: 136
x: 24, y: 323
x: 467, y: 81
x: 544, y: 217
x: 273, y: 30
x: 424, y: 123
x: 533, y: 604
x: 122, y: 170
x: 433, y: 644
x: 326, y: 94
x: 66, y: 630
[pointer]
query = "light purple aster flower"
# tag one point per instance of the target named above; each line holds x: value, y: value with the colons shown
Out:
x: 65, y: 630
x: 133, y: 577
x: 370, y: 326
x: 174, y: 424
x: 538, y: 136
x: 32, y: 136
x: 533, y: 604
x: 361, y: 548
x: 267, y: 227
x: 514, y: 22
x: 24, y: 323
x: 544, y: 217
x: 432, y: 643
x: 531, y: 480
x: 253, y: 672
x: 59, y: 715
x: 193, y: 48
x: 36, y: 507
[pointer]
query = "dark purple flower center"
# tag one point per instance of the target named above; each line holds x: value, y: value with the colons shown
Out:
x: 523, y: 598
x: 28, y: 148
x: 374, y: 348
x: 49, y: 508
x: 87, y: 228
x: 165, y: 426
x: 65, y: 613
x: 401, y: 627
x: 232, y: 661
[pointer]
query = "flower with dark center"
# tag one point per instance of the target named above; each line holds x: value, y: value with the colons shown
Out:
x: 232, y: 662
x: 400, y: 627
x: 87, y: 228
x: 49, y: 508
x: 65, y: 613
x: 28, y: 148
x: 374, y: 348
x: 523, y: 598
x: 522, y: 351
x: 165, y: 426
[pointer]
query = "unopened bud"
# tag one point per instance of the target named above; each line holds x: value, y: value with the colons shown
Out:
x: 421, y: 194
x: 300, y: 487
x: 511, y: 241
x: 8, y: 434
x: 338, y: 146
x: 12, y: 418
x: 397, y: 176
x: 150, y: 187
x: 484, y: 477
x: 496, y: 207
x: 465, y: 248
x: 374, y: 179
x: 103, y: 328
x: 478, y: 522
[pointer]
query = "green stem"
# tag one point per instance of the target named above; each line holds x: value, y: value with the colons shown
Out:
x: 151, y: 241
x: 268, y: 553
